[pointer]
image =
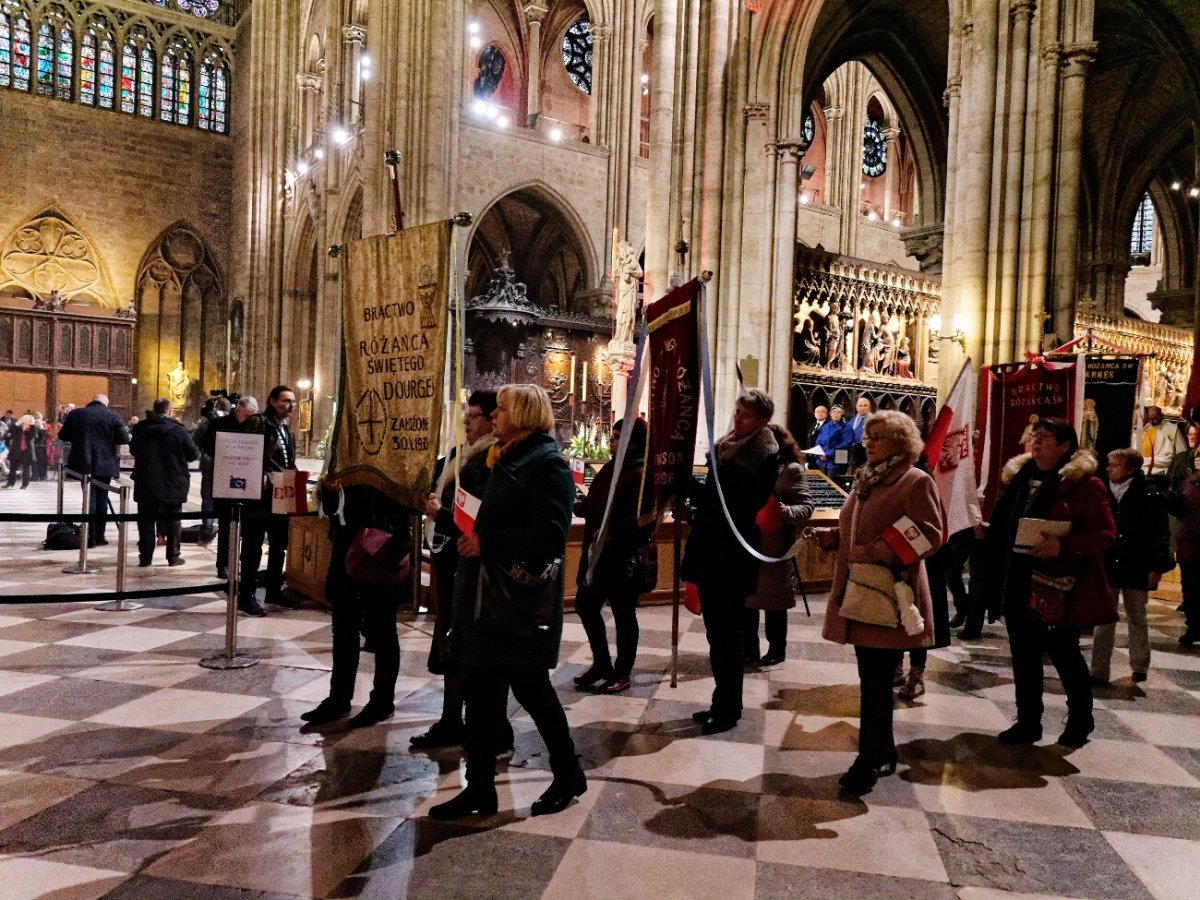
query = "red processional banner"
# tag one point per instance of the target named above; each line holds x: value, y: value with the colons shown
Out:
x: 672, y: 325
x: 1015, y: 397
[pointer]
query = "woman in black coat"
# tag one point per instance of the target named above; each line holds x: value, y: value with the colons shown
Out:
x: 619, y: 575
x: 747, y: 462
x: 508, y: 597
x: 361, y: 607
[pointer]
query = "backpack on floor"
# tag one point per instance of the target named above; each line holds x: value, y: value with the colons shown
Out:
x: 61, y: 536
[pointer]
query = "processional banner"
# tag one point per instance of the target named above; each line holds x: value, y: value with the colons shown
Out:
x: 1110, y: 403
x: 394, y: 310
x: 672, y: 324
x: 1015, y: 397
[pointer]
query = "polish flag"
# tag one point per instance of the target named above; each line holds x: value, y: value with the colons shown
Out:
x: 950, y: 455
x: 578, y: 469
x: 907, y: 541
x: 466, y: 510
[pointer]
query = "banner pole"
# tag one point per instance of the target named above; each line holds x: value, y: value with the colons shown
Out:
x: 677, y: 538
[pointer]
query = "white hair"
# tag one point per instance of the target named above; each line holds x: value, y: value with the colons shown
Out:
x: 101, y: 398
x: 248, y: 403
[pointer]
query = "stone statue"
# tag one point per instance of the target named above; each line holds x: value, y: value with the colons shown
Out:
x: 868, y: 353
x: 834, y: 342
x: 904, y: 357
x: 627, y: 274
x: 887, y: 351
x: 177, y: 386
x: 807, y: 345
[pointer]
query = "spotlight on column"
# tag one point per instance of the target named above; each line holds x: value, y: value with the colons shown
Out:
x: 1194, y: 192
x: 319, y: 153
x: 502, y: 121
x: 301, y: 168
x: 476, y: 42
x: 340, y: 135
x: 1175, y: 185
x: 556, y: 134
x: 473, y: 28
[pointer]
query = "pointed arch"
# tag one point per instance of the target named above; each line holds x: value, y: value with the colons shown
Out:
x: 48, y: 252
x: 181, y: 312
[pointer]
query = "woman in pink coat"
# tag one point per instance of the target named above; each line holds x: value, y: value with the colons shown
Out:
x: 886, y: 491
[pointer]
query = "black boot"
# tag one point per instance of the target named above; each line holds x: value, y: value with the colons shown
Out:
x: 328, y: 710
x: 473, y: 800
x: 563, y: 789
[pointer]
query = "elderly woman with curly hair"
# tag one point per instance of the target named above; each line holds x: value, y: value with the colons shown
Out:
x: 872, y: 529
x: 508, y: 602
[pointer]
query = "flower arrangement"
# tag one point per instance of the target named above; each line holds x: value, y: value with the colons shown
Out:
x: 590, y: 442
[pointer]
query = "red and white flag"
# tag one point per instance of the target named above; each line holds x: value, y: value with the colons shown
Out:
x: 466, y: 510
x: 950, y: 455
x: 578, y: 469
x: 907, y: 541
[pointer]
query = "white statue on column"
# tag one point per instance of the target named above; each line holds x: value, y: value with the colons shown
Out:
x: 627, y: 274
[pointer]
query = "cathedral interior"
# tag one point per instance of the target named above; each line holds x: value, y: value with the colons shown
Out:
x: 881, y: 190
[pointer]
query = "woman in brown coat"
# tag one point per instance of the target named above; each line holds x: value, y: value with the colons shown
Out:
x: 887, y: 489
x: 776, y: 590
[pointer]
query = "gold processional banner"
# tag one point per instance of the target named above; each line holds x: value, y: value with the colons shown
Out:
x: 395, y: 310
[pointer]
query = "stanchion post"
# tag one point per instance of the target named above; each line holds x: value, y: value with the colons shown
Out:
x: 230, y: 659
x: 121, y: 604
x: 82, y: 567
x: 59, y: 466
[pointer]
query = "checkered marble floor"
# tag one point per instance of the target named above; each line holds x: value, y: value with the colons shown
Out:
x: 128, y: 771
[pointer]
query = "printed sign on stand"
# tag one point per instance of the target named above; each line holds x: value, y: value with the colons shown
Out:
x: 238, y: 466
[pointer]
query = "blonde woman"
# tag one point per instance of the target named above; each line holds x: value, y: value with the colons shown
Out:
x: 886, y: 490
x: 508, y: 611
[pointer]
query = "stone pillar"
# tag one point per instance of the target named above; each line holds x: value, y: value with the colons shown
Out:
x: 350, y: 111
x: 1076, y: 59
x: 602, y: 84
x: 892, y: 137
x: 534, y: 13
x: 789, y: 155
x: 1012, y: 325
x: 835, y: 127
x: 658, y: 192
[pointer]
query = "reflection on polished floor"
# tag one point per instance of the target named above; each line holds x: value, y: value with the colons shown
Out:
x: 127, y: 771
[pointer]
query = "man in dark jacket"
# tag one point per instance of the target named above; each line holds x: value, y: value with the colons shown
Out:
x: 279, y: 454
x: 245, y: 409
x: 1135, y: 561
x: 94, y: 432
x: 220, y: 409
x: 161, y: 451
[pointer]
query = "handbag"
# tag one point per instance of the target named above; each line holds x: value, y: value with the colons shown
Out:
x: 870, y: 595
x: 513, y: 601
x: 378, y: 557
x: 642, y: 568
x: 1049, y: 596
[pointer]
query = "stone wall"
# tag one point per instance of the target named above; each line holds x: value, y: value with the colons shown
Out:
x: 121, y: 180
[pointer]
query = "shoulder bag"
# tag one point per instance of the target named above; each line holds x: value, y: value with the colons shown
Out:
x: 513, y: 601
x: 1049, y: 596
x: 378, y: 557
x: 870, y: 594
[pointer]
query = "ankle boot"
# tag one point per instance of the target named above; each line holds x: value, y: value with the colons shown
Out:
x: 473, y: 800
x: 914, y: 685
x: 563, y: 789
x: 898, y: 675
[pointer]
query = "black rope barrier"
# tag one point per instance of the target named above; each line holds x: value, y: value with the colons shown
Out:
x: 100, y: 596
x: 128, y: 517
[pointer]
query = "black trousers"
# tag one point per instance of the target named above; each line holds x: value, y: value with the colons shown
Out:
x: 257, y: 524
x: 723, y: 612
x: 98, y: 506
x: 1029, y: 638
x: 371, y: 611
x: 775, y: 628
x: 876, y: 743
x: 151, y: 520
x: 1189, y: 580
x: 26, y: 468
x: 622, y: 598
x: 224, y: 519
x: 485, y: 689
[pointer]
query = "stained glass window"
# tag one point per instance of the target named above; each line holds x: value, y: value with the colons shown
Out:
x: 21, y: 39
x: 108, y: 73
x: 146, y: 82
x: 128, y: 77
x: 1141, y: 243
x: 201, y: 8
x: 577, y: 53
x: 5, y: 49
x: 166, y: 87
x: 491, y: 71
x: 64, y: 63
x: 45, y: 59
x: 874, y: 150
x: 183, y: 89
x: 87, y: 68
x: 210, y: 94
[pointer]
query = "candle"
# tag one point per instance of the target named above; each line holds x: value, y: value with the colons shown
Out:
x: 584, y: 393
x: 572, y: 373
